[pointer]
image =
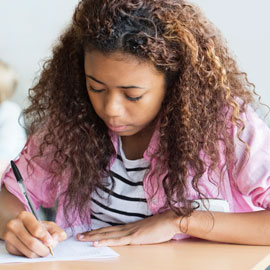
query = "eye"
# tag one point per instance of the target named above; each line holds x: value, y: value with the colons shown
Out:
x: 95, y: 90
x: 133, y: 98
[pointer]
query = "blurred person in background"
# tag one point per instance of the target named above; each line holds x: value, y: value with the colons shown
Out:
x: 12, y: 134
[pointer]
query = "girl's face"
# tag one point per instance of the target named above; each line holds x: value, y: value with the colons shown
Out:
x: 125, y: 92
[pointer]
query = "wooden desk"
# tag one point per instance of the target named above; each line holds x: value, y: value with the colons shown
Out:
x: 184, y: 255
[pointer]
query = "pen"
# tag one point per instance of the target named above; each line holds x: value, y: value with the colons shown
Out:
x: 25, y: 194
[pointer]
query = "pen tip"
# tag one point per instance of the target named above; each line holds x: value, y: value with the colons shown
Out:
x: 51, y: 251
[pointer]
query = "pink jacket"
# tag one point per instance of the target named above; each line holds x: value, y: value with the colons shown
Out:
x: 245, y: 188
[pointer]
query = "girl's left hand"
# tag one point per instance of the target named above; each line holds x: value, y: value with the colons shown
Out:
x: 156, y: 229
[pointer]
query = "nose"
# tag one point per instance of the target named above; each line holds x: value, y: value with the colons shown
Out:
x: 113, y: 106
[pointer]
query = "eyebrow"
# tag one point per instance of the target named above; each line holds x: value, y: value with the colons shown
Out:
x: 124, y: 87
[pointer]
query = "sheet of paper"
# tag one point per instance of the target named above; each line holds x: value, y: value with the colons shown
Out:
x: 68, y: 250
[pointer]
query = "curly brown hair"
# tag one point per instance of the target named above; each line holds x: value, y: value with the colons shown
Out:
x: 205, y: 94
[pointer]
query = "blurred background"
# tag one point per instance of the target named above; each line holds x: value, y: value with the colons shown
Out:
x: 29, y: 28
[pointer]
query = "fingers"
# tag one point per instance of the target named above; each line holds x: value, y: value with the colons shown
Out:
x: 35, y: 228
x: 16, y: 247
x: 91, y: 236
x: 108, y: 229
x: 12, y: 249
x: 56, y: 232
x: 118, y: 241
x: 102, y: 237
x: 105, y: 230
x: 26, y: 236
x: 113, y: 235
x: 155, y: 229
x: 20, y: 242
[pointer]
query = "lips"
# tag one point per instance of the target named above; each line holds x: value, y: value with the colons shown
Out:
x: 117, y: 128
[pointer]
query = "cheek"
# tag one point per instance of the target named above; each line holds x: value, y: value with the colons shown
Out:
x: 152, y: 105
x: 96, y: 103
x: 143, y: 113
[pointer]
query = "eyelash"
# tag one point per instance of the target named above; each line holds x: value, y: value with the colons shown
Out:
x: 134, y: 99
x: 95, y: 90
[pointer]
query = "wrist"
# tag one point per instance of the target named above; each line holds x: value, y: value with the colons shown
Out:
x: 187, y: 224
x: 180, y: 223
x: 198, y: 223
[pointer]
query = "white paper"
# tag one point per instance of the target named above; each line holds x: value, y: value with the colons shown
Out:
x: 68, y: 250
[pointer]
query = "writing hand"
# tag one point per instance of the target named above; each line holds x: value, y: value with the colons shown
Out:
x: 25, y: 236
x: 155, y: 229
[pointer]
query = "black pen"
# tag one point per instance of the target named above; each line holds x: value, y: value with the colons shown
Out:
x: 25, y: 194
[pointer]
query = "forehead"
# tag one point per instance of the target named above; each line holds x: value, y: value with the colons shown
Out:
x: 119, y: 65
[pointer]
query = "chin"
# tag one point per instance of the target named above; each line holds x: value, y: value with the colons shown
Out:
x: 126, y: 132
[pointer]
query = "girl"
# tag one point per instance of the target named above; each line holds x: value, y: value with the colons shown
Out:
x: 139, y: 123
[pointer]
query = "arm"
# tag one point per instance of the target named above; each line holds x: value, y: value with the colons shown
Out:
x: 251, y: 179
x: 13, y: 226
x: 10, y: 207
x: 251, y: 228
x: 23, y: 234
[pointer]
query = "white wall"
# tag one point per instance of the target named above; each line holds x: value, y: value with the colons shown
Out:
x: 28, y: 29
x: 245, y: 24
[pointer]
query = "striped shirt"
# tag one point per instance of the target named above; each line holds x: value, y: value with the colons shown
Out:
x: 122, y: 200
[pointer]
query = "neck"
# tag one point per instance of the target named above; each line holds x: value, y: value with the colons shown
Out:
x: 134, y: 146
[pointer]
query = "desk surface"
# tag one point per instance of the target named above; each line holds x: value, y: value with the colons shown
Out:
x: 184, y: 255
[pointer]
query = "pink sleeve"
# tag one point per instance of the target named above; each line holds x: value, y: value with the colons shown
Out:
x: 37, y: 179
x: 252, y: 173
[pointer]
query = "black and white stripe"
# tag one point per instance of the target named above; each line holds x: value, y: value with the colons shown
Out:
x: 126, y: 202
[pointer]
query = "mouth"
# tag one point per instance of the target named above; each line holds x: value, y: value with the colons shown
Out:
x: 117, y: 128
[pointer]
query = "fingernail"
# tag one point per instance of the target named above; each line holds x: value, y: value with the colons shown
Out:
x: 64, y: 235
x: 81, y: 236
x: 55, y: 240
x: 95, y: 243
x: 55, y: 237
x: 49, y: 241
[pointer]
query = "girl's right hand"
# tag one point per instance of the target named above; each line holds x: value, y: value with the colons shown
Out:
x: 25, y: 236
